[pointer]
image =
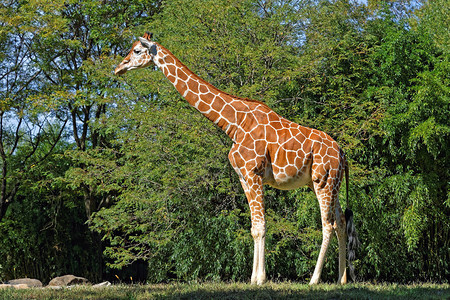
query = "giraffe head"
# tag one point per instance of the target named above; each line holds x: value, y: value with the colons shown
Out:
x: 141, y: 55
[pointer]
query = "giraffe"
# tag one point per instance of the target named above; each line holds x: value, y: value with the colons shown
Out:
x: 267, y: 150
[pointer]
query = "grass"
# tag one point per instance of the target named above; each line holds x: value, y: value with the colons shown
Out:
x: 238, y: 291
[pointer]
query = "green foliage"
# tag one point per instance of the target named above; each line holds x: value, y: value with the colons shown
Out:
x: 43, y: 232
x: 242, y: 47
x: 149, y: 175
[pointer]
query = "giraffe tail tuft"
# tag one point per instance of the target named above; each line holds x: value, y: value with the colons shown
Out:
x: 352, y: 243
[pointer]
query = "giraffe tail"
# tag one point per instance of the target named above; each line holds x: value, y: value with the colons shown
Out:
x: 352, y: 236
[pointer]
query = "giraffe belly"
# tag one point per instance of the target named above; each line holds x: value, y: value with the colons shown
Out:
x: 281, y: 181
x: 290, y: 183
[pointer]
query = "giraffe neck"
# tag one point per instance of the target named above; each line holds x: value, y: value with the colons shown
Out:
x: 216, y: 105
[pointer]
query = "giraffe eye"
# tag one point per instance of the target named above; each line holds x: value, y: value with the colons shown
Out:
x: 137, y: 51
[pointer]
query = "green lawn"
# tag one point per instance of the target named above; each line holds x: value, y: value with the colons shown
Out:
x: 238, y: 291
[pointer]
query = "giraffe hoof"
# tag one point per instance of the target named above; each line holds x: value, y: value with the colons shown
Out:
x: 261, y: 281
x: 343, y: 278
x: 258, y: 280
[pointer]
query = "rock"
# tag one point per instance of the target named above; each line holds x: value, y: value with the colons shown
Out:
x: 28, y: 281
x: 20, y: 286
x: 5, y: 286
x: 102, y: 284
x: 67, y: 280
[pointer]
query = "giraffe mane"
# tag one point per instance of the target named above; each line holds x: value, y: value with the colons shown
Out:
x: 210, y: 85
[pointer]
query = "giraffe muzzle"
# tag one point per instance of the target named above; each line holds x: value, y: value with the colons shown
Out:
x: 121, y: 69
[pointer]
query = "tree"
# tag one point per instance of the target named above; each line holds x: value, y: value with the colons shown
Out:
x: 89, y: 45
x: 55, y: 64
x: 26, y: 126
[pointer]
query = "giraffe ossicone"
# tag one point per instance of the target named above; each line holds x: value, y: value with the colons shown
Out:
x: 267, y: 150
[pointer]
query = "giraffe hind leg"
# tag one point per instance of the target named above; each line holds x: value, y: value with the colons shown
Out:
x: 332, y: 222
x: 341, y: 234
x: 327, y: 230
x: 327, y: 201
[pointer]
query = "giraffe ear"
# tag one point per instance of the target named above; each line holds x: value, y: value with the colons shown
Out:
x: 145, y: 42
x: 149, y: 45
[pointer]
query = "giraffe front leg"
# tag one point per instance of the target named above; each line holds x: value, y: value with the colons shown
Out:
x: 254, y: 192
x: 259, y: 269
x: 245, y: 166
